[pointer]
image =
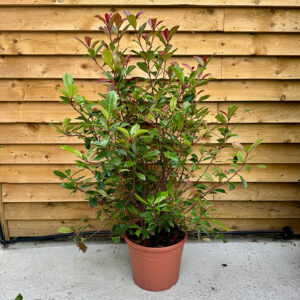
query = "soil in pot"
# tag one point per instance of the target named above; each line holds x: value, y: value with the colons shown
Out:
x: 162, y: 239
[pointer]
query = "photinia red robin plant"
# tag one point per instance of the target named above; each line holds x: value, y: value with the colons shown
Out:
x: 148, y: 167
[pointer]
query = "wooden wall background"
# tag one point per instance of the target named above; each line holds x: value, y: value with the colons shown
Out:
x: 257, y: 66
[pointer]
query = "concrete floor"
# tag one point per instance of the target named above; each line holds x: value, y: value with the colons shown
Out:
x: 240, y: 269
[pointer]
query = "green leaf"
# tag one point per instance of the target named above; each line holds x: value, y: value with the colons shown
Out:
x: 231, y: 110
x: 93, y: 201
x: 65, y: 230
x: 74, y: 151
x: 129, y: 164
x: 103, y: 142
x: 220, y: 191
x: 141, y: 199
x: 124, y: 131
x: 261, y: 166
x: 68, y: 81
x: 170, y: 188
x: 171, y: 155
x: 142, y: 28
x: 116, y: 239
x: 60, y: 174
x: 173, y: 103
x: 132, y: 20
x: 134, y: 129
x: 231, y: 186
x: 107, y: 58
x: 141, y: 176
x: 244, y: 182
x: 221, y: 118
x: 241, y: 156
x: 139, y: 132
x: 110, y: 101
x: 116, y: 161
x: 142, y: 66
x: 151, y: 153
x: 68, y: 185
x: 66, y: 122
x: 207, y: 176
x: 179, y: 73
x: 104, y: 112
x: 160, y: 197
x: 255, y: 144
x: 248, y: 168
x: 19, y: 297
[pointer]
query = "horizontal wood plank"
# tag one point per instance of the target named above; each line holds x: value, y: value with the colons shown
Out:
x: 53, y: 112
x: 44, y: 173
x: 79, y: 67
x: 264, y: 112
x: 50, y: 43
x: 83, y: 19
x: 53, y: 154
x: 259, y: 192
x: 260, y: 68
x: 219, y: 90
x: 34, y: 133
x: 216, y: 19
x: 126, y: 3
x: 81, y: 210
x: 82, y: 67
x: 36, y: 192
x: 262, y: 20
x: 39, y: 193
x: 48, y: 227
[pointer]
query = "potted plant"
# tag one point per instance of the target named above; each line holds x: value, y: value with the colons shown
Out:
x: 150, y: 159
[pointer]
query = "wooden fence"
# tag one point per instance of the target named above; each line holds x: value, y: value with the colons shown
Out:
x: 257, y: 66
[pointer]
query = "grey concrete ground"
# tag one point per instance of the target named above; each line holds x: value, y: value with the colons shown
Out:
x: 239, y: 269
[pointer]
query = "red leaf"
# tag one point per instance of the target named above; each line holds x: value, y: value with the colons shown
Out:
x: 165, y: 34
x: 138, y: 14
x: 88, y: 40
x: 188, y: 66
x: 100, y: 18
x: 107, y: 17
x: 152, y: 23
x: 82, y: 247
x: 118, y: 20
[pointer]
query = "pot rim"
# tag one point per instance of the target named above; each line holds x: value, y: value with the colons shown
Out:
x: 153, y: 249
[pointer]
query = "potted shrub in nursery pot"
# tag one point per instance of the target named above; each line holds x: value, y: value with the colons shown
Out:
x: 148, y: 167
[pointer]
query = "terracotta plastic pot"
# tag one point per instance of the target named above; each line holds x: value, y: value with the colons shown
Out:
x: 155, y: 269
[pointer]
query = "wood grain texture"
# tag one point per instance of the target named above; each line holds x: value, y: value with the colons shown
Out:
x: 216, y: 19
x: 260, y: 192
x: 264, y: 112
x: 219, y: 90
x: 39, y: 193
x: 250, y: 3
x: 79, y: 67
x: 48, y: 227
x: 83, y: 19
x: 3, y: 221
x: 52, y: 112
x: 260, y: 68
x: 81, y: 210
x: 53, y: 154
x: 44, y: 173
x: 36, y: 67
x: 50, y: 43
x: 44, y: 192
x: 262, y: 20
x: 35, y: 133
